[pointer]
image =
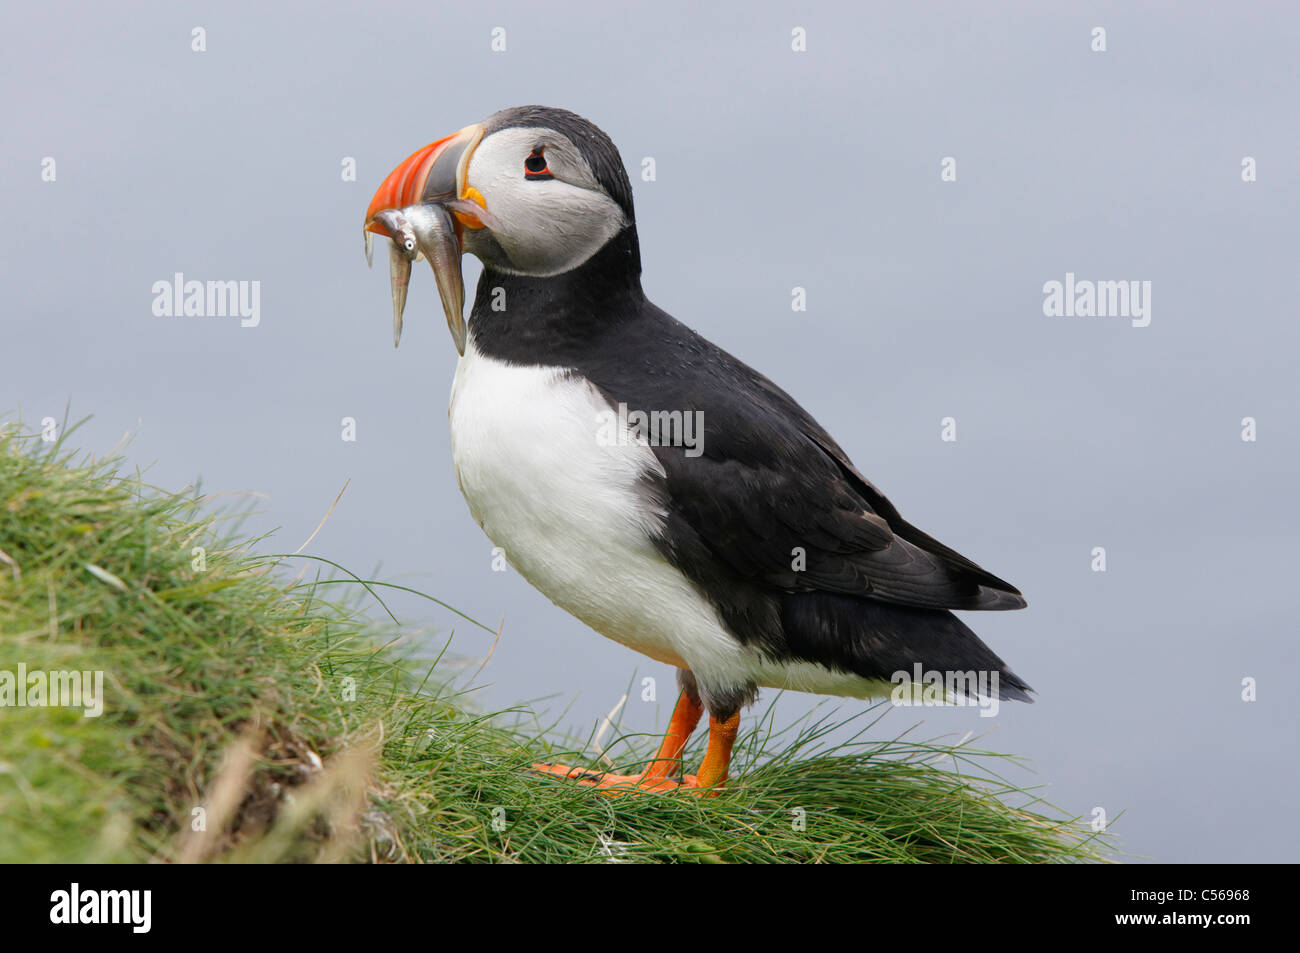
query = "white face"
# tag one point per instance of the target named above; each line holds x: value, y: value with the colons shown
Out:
x: 545, y: 226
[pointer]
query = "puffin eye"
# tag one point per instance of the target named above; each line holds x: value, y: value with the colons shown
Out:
x: 535, y: 165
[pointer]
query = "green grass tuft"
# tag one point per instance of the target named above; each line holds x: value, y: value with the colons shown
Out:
x: 284, y: 714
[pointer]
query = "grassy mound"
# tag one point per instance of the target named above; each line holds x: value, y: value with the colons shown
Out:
x: 248, y: 717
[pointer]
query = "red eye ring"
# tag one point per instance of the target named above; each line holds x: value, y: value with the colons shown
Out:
x: 535, y: 165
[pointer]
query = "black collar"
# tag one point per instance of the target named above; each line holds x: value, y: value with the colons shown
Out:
x: 559, y: 319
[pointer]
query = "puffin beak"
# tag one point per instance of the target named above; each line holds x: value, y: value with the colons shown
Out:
x: 422, y: 207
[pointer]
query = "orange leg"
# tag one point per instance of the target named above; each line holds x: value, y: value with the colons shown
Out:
x: 717, y: 757
x: 686, y: 715
x: 656, y: 777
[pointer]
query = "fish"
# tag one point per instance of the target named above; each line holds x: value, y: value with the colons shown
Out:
x: 399, y: 229
x: 425, y: 230
x: 435, y: 233
x: 399, y: 275
x: 403, y: 248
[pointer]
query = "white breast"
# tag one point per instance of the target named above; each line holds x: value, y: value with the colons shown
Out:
x: 570, y: 511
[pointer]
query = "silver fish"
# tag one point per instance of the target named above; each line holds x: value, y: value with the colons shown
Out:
x: 403, y: 248
x: 435, y: 233
x: 399, y: 228
x: 399, y: 275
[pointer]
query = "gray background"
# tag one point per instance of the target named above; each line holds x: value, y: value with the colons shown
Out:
x: 775, y: 169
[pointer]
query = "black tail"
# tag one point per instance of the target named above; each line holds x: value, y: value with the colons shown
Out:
x: 878, y: 639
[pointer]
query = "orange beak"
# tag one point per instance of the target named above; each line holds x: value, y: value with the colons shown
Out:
x: 434, y: 174
x: 428, y: 202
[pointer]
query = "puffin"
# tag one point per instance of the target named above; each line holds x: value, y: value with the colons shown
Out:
x: 735, y: 541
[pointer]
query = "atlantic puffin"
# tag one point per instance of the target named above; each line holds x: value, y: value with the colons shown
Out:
x: 753, y: 555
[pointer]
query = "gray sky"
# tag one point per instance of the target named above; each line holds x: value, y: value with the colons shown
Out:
x: 775, y: 169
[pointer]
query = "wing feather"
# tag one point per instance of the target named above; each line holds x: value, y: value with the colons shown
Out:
x: 774, y: 499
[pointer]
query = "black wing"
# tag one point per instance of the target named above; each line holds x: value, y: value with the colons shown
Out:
x: 777, y: 502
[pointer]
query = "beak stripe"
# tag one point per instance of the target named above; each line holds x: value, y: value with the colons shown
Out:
x: 421, y: 177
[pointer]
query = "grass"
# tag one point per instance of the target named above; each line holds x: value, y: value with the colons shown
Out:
x: 253, y: 716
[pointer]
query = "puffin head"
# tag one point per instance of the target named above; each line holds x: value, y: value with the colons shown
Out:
x: 532, y: 190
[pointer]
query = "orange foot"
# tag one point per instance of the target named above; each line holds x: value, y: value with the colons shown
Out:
x: 613, y: 784
x: 658, y: 776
